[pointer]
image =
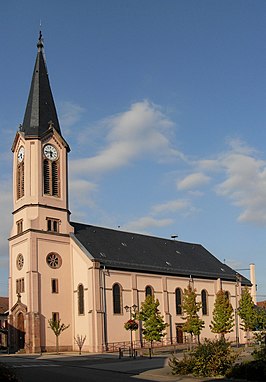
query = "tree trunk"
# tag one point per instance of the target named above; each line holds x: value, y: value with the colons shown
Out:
x: 57, y: 344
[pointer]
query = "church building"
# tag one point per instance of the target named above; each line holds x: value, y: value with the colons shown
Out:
x: 86, y: 275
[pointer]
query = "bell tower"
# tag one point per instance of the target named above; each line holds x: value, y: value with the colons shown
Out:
x: 39, y: 239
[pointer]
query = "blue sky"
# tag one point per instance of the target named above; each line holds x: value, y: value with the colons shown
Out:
x: 163, y: 105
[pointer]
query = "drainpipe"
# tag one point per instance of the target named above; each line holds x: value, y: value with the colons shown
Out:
x: 104, y: 309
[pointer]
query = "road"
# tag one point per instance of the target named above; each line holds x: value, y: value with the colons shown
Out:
x: 81, y: 368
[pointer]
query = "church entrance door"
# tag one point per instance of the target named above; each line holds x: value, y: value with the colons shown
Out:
x: 20, y: 331
x: 179, y: 334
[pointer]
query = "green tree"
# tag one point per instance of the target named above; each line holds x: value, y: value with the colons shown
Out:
x: 58, y: 329
x: 190, y: 307
x: 153, y: 322
x: 223, y: 318
x: 261, y: 319
x: 247, y: 312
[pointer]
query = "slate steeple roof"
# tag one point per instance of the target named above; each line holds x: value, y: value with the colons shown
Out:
x: 40, y: 111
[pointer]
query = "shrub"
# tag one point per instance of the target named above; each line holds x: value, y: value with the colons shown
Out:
x: 6, y: 374
x: 260, y: 354
x: 250, y: 371
x: 182, y: 367
x: 209, y: 359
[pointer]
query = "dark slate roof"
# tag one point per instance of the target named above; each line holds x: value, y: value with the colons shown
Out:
x: 40, y: 110
x: 116, y: 249
x: 3, y: 305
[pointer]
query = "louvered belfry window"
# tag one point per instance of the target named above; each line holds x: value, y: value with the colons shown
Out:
x: 50, y: 177
x: 20, y: 180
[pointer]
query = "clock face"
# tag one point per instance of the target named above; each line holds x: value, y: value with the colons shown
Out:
x: 50, y: 152
x: 21, y: 153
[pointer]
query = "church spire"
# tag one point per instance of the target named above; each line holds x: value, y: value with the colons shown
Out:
x: 40, y: 112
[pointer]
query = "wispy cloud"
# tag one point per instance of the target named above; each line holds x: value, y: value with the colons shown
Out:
x: 81, y: 197
x: 142, y: 130
x: 193, y: 181
x: 145, y: 223
x: 171, y: 206
x: 243, y: 183
x: 70, y: 114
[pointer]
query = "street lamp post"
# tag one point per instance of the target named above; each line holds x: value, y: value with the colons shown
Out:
x: 131, y: 309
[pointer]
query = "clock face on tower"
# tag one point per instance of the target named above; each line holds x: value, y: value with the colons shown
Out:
x: 21, y: 153
x: 50, y: 152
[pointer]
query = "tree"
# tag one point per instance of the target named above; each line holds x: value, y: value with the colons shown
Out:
x: 247, y: 312
x: 153, y: 322
x: 260, y: 319
x: 191, y: 307
x: 80, y: 341
x: 223, y: 319
x: 58, y: 329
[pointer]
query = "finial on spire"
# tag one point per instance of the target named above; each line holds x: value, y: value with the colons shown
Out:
x: 40, y: 41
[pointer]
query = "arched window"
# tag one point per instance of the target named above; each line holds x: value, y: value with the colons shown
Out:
x: 80, y: 299
x: 50, y: 177
x: 55, y: 186
x: 148, y: 291
x: 117, y: 299
x: 204, y: 303
x: 178, y: 301
x: 20, y: 180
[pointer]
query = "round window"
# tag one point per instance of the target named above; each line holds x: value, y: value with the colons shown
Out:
x: 20, y: 261
x: 54, y: 260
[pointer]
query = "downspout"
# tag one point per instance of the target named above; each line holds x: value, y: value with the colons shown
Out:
x: 104, y: 309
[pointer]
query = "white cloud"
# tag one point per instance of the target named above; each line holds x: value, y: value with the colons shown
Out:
x: 243, y: 182
x: 70, y: 114
x: 81, y: 192
x: 171, y: 206
x: 144, y: 223
x: 193, y: 181
x: 245, y: 185
x: 140, y: 131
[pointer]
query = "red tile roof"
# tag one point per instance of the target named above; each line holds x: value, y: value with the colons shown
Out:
x: 261, y: 304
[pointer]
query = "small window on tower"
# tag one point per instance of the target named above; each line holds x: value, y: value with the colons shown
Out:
x: 54, y: 283
x: 53, y: 224
x: 19, y: 226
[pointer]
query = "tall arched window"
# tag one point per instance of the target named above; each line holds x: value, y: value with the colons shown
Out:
x: 178, y: 301
x: 117, y: 299
x: 50, y: 177
x: 148, y: 291
x: 80, y: 299
x: 20, y: 180
x: 204, y: 302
